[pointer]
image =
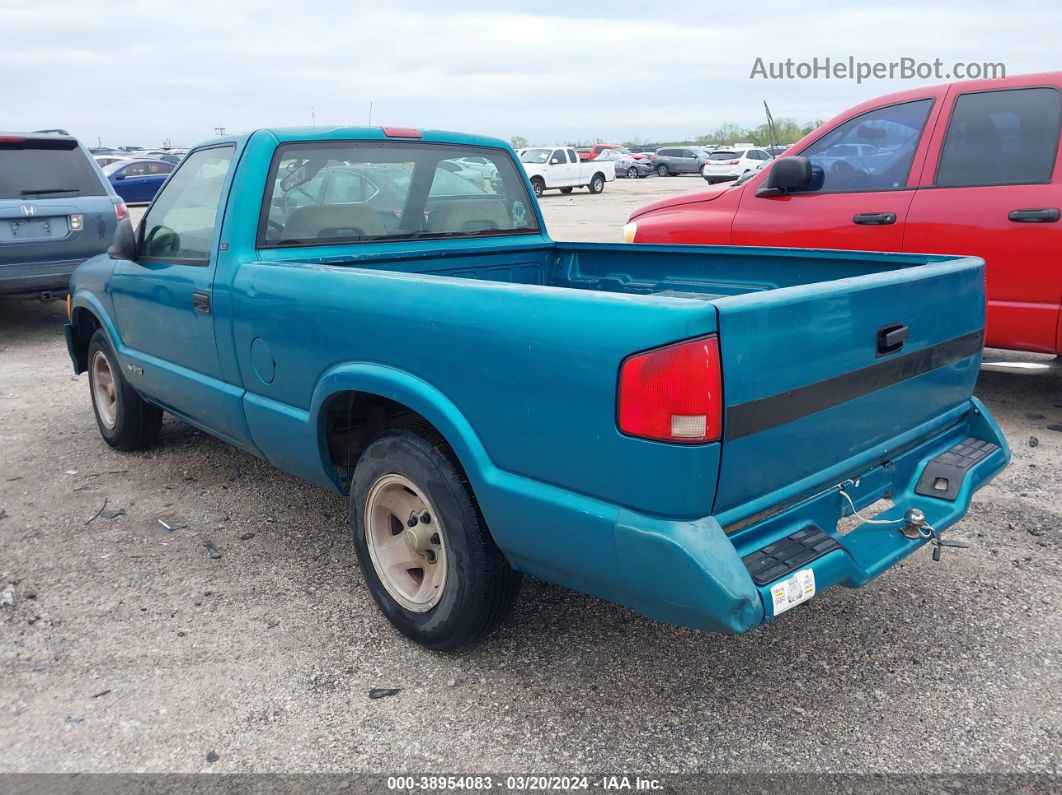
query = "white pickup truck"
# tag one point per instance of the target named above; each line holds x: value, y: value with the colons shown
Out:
x: 561, y: 169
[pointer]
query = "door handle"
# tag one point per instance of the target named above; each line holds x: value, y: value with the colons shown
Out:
x: 1042, y: 215
x: 874, y: 219
x: 891, y: 338
x: 201, y: 301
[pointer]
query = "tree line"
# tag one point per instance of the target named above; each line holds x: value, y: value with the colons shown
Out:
x: 786, y: 131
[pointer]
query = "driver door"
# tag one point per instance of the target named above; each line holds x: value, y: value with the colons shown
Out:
x: 848, y: 207
x: 163, y: 298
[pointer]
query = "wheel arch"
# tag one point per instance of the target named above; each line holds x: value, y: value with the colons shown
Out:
x: 86, y: 315
x: 378, y: 397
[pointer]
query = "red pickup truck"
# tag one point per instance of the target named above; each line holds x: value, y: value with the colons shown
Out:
x: 965, y: 168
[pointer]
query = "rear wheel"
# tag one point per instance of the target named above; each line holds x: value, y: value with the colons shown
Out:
x: 126, y: 421
x: 428, y: 558
x: 597, y: 183
x: 538, y: 185
x: 662, y: 170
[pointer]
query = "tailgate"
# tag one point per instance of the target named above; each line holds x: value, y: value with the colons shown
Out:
x: 812, y: 375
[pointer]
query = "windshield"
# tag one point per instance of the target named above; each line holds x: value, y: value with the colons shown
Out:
x: 540, y: 156
x: 43, y: 169
x: 347, y: 192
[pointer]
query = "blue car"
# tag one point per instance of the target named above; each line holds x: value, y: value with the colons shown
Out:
x: 56, y: 210
x: 137, y: 181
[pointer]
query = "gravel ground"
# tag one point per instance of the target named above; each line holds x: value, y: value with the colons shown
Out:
x: 128, y: 648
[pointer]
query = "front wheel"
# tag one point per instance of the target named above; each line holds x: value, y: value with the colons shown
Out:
x: 597, y: 184
x: 632, y: 173
x: 538, y: 185
x: 428, y: 558
x: 662, y: 170
x: 126, y: 421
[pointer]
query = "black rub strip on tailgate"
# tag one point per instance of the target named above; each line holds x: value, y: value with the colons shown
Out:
x: 761, y: 414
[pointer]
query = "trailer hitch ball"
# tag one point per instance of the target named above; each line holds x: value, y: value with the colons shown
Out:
x: 914, y: 521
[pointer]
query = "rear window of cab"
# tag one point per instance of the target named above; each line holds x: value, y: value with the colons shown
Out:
x: 332, y: 192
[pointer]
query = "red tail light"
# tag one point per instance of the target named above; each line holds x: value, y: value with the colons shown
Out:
x: 673, y: 394
x: 732, y: 162
x: 121, y: 211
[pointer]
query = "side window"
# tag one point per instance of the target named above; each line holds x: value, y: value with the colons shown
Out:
x: 1001, y: 138
x: 180, y: 224
x: 133, y: 170
x: 557, y: 157
x: 573, y: 156
x: 891, y: 135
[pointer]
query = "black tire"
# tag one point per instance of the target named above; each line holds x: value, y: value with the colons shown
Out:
x: 632, y: 173
x: 136, y: 422
x: 538, y: 185
x: 597, y: 183
x: 662, y: 170
x: 480, y: 586
x: 567, y: 190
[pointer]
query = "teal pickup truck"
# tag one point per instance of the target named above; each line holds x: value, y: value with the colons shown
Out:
x: 676, y: 428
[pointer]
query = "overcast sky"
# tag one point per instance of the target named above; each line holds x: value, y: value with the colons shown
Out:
x: 142, y: 72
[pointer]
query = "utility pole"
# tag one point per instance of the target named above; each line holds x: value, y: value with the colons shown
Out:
x: 370, y: 113
x: 219, y: 131
x: 313, y: 117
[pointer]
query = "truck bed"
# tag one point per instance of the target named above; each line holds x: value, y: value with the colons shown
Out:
x: 791, y: 322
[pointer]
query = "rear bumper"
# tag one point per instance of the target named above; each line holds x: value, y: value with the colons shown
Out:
x: 31, y: 279
x: 692, y: 573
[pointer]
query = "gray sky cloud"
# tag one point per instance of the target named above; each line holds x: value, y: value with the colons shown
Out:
x: 141, y: 72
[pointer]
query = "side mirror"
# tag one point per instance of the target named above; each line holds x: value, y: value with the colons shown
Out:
x: 788, y: 174
x: 124, y: 244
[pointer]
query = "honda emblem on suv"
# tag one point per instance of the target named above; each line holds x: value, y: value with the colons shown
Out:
x: 28, y: 209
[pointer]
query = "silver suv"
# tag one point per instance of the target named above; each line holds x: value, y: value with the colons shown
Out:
x: 673, y: 160
x: 56, y: 211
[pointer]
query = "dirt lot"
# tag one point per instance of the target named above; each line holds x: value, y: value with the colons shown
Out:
x: 129, y: 648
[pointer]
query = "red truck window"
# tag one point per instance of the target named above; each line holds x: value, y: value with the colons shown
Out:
x: 1001, y: 138
x: 870, y: 152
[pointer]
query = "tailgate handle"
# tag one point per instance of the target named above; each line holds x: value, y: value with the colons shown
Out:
x: 1043, y: 215
x: 874, y: 219
x: 891, y: 338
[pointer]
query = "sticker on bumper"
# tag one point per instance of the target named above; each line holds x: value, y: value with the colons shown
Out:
x: 792, y: 591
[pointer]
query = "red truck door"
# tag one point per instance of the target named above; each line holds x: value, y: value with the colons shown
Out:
x: 990, y: 187
x: 862, y: 198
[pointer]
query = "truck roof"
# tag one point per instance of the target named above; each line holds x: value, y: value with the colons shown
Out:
x: 385, y: 133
